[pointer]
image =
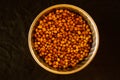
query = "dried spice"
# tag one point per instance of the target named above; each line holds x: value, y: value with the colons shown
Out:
x: 62, y: 38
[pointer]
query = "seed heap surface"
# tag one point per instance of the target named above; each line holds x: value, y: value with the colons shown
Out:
x: 62, y: 38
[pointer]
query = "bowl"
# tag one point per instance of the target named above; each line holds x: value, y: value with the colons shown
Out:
x: 95, y: 37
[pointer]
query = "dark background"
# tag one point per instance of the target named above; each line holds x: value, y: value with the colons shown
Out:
x: 16, y: 62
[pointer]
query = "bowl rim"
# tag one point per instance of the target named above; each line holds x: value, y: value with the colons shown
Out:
x: 66, y: 6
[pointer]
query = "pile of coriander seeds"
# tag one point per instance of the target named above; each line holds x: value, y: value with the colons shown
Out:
x: 62, y: 38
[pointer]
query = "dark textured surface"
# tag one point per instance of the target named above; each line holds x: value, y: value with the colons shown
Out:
x: 16, y: 62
